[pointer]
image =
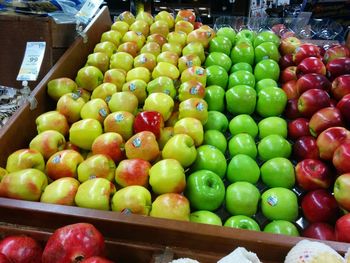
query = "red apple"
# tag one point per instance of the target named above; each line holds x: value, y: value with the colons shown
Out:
x: 321, y: 231
x: 320, y: 206
x: 313, y: 81
x: 149, y: 121
x: 286, y: 61
x: 72, y: 243
x: 278, y: 29
x: 313, y: 100
x: 304, y: 51
x: 337, y: 51
x: 289, y: 44
x: 341, y: 191
x: 341, y: 86
x: 344, y: 106
x: 21, y: 249
x: 324, y: 119
x: 298, y: 128
x: 4, y: 259
x: 132, y: 172
x: 305, y: 148
x: 338, y: 67
x: 291, y: 111
x: 288, y: 74
x: 342, y: 229
x: 330, y: 139
x: 341, y: 158
x: 290, y: 88
x: 312, y: 174
x: 311, y: 65
x: 96, y: 260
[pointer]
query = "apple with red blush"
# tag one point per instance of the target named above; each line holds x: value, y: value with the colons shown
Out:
x: 310, y: 65
x: 337, y: 51
x: 324, y: 119
x: 291, y: 111
x: 149, y: 121
x: 290, y: 88
x: 342, y: 229
x: 313, y: 100
x: 289, y: 73
x: 289, y: 44
x: 132, y: 172
x: 341, y: 158
x: 298, y: 128
x: 321, y: 231
x: 341, y: 86
x: 286, y: 61
x: 305, y: 148
x: 313, y: 81
x: 304, y: 51
x: 344, y: 106
x: 338, y: 67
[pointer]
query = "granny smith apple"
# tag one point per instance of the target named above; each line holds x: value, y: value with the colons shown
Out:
x: 273, y: 125
x: 266, y: 50
x: 272, y: 146
x: 215, y: 98
x: 205, y: 190
x: 220, y: 44
x: 267, y: 68
x: 263, y: 83
x: 217, y: 75
x: 279, y: 204
x: 205, y: 217
x: 220, y: 59
x: 278, y: 172
x: 246, y: 34
x: 242, y: 222
x: 243, y: 123
x: 241, y: 77
x: 266, y: 36
x: 241, y: 66
x: 242, y: 143
x: 241, y: 99
x: 243, y: 168
x: 282, y: 227
x: 216, y: 121
x: 271, y: 102
x: 210, y: 158
x: 227, y: 31
x: 242, y: 198
x: 215, y: 138
x: 242, y: 52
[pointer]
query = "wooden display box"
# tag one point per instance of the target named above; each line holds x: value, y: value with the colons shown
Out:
x: 16, y: 30
x: 131, y: 238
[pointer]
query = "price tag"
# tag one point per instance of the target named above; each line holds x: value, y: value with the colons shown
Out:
x: 31, y: 64
x: 88, y: 10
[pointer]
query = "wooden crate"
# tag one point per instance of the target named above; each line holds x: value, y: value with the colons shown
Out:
x: 138, y: 237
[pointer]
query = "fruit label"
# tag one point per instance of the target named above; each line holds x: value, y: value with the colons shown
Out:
x: 200, y: 106
x: 272, y: 200
x: 136, y: 142
x: 167, y: 92
x: 119, y: 117
x: 194, y: 91
x: 56, y: 159
x: 139, y: 33
x: 265, y: 57
x: 132, y: 87
x: 143, y: 59
x: 189, y: 63
x: 208, y: 34
x: 75, y: 95
x: 31, y: 64
x: 199, y: 71
x: 88, y: 10
x: 103, y: 113
x: 92, y: 176
x: 108, y: 98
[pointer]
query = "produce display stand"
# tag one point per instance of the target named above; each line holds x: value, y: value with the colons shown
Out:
x: 130, y: 238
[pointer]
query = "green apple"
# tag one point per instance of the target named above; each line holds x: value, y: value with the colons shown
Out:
x: 56, y: 88
x: 273, y: 125
x: 267, y: 36
x: 220, y: 44
x: 162, y: 84
x: 216, y: 139
x: 205, y: 217
x: 216, y: 121
x: 271, y: 102
x: 242, y: 52
x: 242, y: 198
x: 181, y: 148
x: 210, y: 158
x: 279, y: 204
x: 47, y: 143
x: 134, y: 198
x: 138, y: 88
x: 264, y: 83
x: 217, y: 75
x: 241, y: 66
x: 104, y: 91
x: 267, y: 68
x: 229, y: 32
x: 161, y: 102
x: 123, y: 101
x: 242, y: 222
x: 27, y: 184
x: 282, y: 227
x: 83, y: 133
x: 171, y: 206
x: 243, y: 168
x: 70, y: 105
x: 95, y: 109
x: 95, y: 193
x: 243, y: 123
x: 266, y: 50
x: 61, y: 191
x: 242, y: 143
x: 89, y: 77
x: 246, y: 34
x: 278, y: 172
x: 272, y: 146
x: 241, y: 99
x: 52, y: 120
x: 192, y: 127
x: 121, y: 122
x: 241, y: 77
x: 215, y: 98
x: 205, y: 190
x: 167, y: 176
x: 220, y: 59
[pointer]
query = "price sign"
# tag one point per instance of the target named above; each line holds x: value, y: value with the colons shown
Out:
x: 31, y: 64
x: 88, y: 10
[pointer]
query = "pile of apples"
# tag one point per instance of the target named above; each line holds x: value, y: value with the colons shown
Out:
x: 317, y: 83
x: 80, y: 242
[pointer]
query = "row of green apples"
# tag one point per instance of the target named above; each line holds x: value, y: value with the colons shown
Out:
x: 143, y: 149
